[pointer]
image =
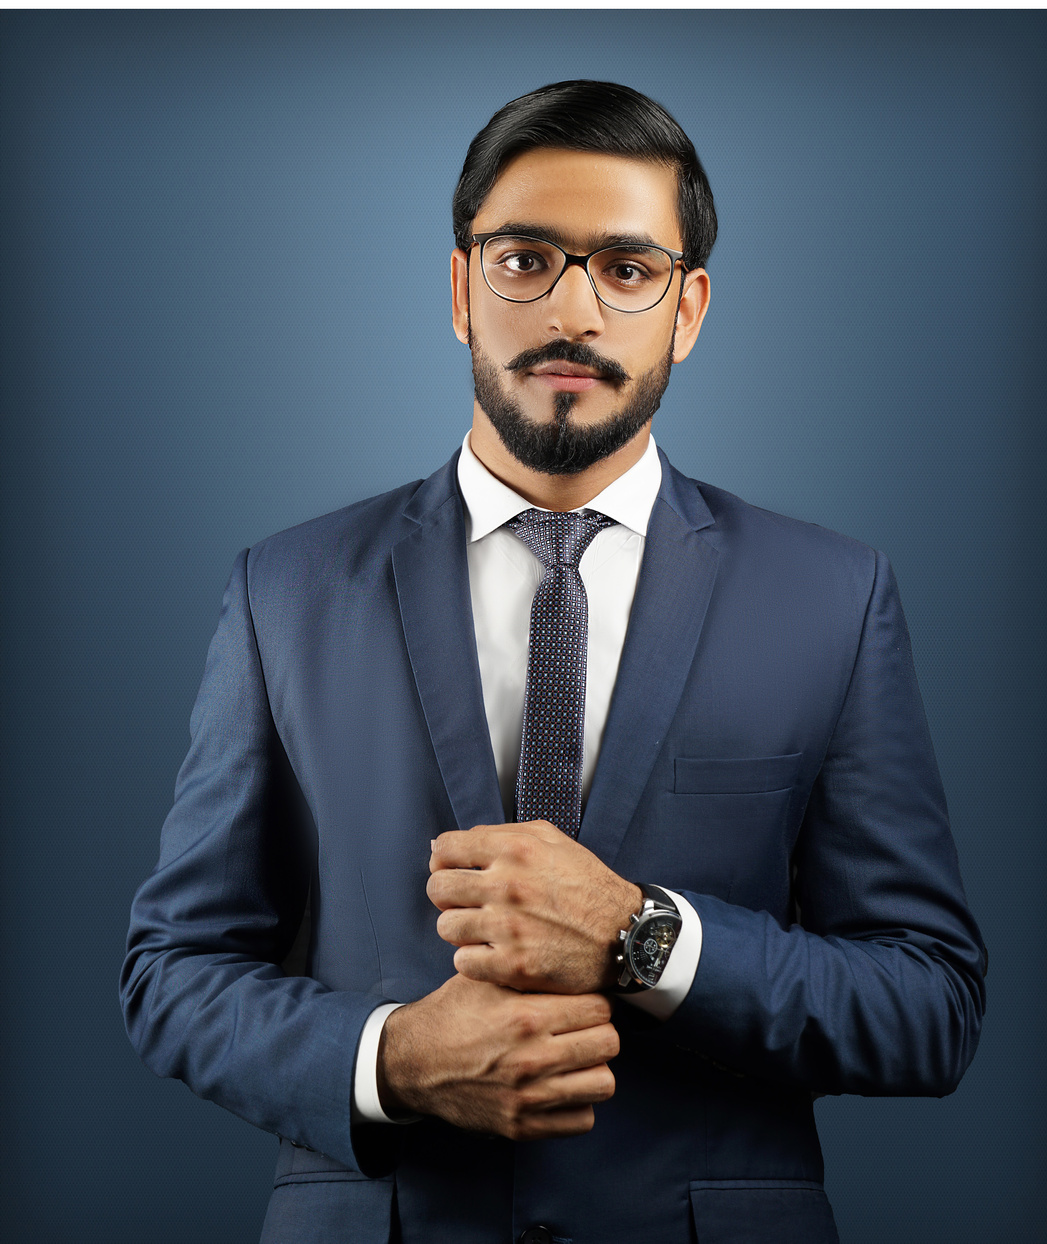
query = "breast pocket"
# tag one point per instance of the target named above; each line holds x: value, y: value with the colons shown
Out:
x: 744, y: 775
x: 736, y: 814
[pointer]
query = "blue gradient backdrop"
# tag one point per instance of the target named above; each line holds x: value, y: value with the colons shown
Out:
x: 225, y: 309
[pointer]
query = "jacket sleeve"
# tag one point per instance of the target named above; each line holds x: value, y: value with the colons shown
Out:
x: 879, y: 986
x: 203, y: 996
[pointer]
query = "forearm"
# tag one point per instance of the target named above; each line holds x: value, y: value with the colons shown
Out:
x: 276, y: 1050
x: 881, y: 1014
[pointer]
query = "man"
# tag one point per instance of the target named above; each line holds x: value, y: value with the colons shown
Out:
x: 578, y: 759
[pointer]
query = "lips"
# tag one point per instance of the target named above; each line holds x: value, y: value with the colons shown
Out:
x: 566, y: 377
x: 560, y: 368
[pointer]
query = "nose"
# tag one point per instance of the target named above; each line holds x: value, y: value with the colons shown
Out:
x: 572, y: 308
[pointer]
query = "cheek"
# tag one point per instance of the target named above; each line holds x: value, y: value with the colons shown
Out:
x: 501, y: 336
x: 639, y: 348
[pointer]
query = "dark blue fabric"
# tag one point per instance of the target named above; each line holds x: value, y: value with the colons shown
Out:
x: 765, y: 752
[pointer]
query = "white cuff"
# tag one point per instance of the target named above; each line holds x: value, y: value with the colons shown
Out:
x: 679, y: 972
x: 366, y: 1107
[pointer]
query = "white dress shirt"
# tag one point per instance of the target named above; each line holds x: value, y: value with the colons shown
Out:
x: 503, y: 577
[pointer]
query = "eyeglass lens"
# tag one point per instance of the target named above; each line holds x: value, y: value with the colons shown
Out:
x: 629, y: 278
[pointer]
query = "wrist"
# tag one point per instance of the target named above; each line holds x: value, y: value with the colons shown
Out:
x: 394, y: 1065
x: 628, y: 903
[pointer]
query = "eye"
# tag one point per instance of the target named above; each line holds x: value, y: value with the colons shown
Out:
x: 524, y: 262
x: 630, y: 268
x: 513, y: 258
x: 628, y: 273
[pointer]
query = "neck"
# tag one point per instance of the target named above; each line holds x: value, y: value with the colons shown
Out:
x: 551, y: 492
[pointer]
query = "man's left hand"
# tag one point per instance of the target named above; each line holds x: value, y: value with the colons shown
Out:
x: 529, y: 907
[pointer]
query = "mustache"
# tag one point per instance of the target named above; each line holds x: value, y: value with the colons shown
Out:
x: 561, y: 351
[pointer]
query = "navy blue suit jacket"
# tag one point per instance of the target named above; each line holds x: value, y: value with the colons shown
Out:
x: 766, y: 753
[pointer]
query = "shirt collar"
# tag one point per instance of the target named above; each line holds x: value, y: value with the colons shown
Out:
x: 489, y: 504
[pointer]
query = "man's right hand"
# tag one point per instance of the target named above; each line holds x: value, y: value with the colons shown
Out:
x: 484, y: 1057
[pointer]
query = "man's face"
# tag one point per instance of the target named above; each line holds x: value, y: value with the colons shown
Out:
x: 527, y: 356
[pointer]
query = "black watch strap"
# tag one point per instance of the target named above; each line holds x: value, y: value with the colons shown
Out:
x: 658, y: 895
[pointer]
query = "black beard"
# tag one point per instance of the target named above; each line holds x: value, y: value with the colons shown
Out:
x: 562, y: 447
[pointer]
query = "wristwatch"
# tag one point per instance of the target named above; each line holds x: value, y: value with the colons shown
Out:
x: 645, y: 946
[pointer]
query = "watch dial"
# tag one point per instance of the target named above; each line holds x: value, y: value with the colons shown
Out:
x: 654, y: 938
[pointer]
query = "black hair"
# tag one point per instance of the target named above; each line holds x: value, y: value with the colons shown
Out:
x: 589, y: 116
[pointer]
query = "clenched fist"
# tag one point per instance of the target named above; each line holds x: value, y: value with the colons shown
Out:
x: 525, y: 1066
x: 529, y: 907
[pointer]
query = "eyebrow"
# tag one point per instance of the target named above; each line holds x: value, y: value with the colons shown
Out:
x: 594, y: 242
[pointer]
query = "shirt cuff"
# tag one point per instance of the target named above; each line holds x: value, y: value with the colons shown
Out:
x: 366, y: 1107
x: 663, y: 999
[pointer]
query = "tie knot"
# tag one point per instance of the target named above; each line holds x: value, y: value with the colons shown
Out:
x: 555, y: 538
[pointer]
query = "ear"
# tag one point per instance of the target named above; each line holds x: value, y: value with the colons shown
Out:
x: 460, y: 294
x: 694, y: 302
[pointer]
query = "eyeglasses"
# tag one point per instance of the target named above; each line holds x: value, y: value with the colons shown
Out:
x: 630, y: 277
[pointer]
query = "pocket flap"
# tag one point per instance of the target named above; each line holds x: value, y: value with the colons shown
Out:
x: 746, y: 775
x: 762, y: 1211
x: 296, y: 1163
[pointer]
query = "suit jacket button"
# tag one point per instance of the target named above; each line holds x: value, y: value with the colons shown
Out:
x: 536, y: 1235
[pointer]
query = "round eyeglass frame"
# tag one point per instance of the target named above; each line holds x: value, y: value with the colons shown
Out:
x: 582, y: 261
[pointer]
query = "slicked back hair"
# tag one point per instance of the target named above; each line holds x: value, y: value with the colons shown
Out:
x: 589, y: 116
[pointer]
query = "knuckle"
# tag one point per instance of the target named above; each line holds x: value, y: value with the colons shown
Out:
x: 525, y: 1071
x: 436, y: 886
x: 604, y: 1009
x: 521, y: 849
x: 512, y: 892
x: 521, y: 1129
x: 527, y: 1020
x: 468, y: 965
x: 605, y: 1085
x: 519, y: 966
x: 516, y: 1120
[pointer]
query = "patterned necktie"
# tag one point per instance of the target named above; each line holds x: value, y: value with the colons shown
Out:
x: 549, y: 780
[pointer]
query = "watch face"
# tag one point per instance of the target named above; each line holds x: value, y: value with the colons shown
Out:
x: 650, y: 944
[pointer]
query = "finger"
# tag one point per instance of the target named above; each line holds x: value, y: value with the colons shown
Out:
x: 554, y: 1124
x: 465, y: 848
x: 483, y: 963
x: 572, y: 1088
x: 458, y: 887
x: 554, y: 1014
x: 575, y: 1012
x: 466, y: 926
x: 545, y: 830
x: 592, y: 1047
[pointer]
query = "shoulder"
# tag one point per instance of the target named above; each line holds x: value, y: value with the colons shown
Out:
x: 761, y: 544
x: 358, y: 530
x: 354, y: 544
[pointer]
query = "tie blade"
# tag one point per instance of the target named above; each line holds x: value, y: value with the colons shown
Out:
x: 549, y: 777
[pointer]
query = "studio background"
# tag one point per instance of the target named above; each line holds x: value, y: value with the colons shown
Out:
x: 226, y: 309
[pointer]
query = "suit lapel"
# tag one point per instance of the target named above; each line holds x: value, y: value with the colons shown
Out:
x: 432, y: 586
x: 672, y: 594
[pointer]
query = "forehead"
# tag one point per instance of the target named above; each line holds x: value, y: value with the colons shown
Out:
x: 584, y: 195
